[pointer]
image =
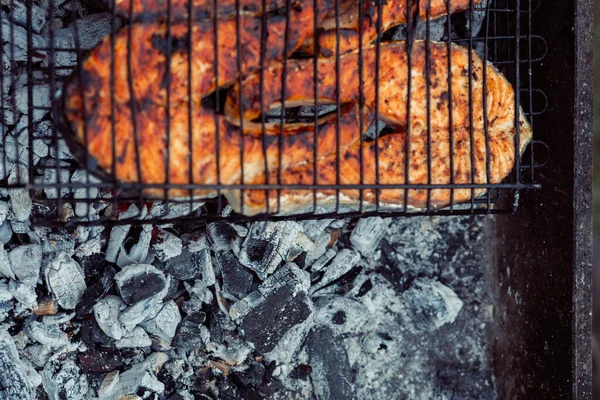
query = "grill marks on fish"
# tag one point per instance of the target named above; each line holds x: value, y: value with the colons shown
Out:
x: 393, y: 109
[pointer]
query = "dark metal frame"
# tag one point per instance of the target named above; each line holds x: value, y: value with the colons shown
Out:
x: 505, y: 18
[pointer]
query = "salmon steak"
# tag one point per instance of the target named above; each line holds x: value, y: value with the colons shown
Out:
x: 132, y: 112
x: 392, y: 12
x: 472, y: 133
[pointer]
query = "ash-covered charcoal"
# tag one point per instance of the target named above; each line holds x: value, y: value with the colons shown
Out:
x: 65, y: 280
x: 188, y: 265
x: 192, y: 332
x: 5, y: 232
x: 342, y: 315
x: 26, y: 262
x: 166, y: 245
x: 86, y: 191
x: 330, y: 374
x: 343, y: 262
x: 367, y: 233
x: 140, y: 376
x: 221, y: 235
x: 135, y: 338
x: 64, y: 380
x: 95, y: 292
x: 48, y: 335
x: 100, y: 360
x: 136, y: 246
x: 430, y: 304
x: 92, y: 335
x: 237, y: 280
x: 138, y: 282
x: 267, y: 245
x: 165, y: 323
x: 106, y: 313
x: 5, y: 266
x: 118, y: 234
x: 91, y: 29
x: 279, y: 304
x: 14, y: 380
x: 24, y: 293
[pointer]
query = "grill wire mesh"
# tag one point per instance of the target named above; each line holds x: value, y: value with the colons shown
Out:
x: 506, y: 39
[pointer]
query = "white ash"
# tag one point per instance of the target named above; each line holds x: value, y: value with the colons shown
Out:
x: 65, y: 280
x: 23, y: 293
x: 142, y: 375
x: 165, y: 323
x: 14, y: 380
x: 139, y: 250
x: 19, y: 198
x: 134, y: 339
x: 167, y: 245
x: 343, y: 262
x: 26, y: 262
x: 367, y: 233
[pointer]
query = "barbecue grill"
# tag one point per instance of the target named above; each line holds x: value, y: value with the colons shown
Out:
x: 542, y: 244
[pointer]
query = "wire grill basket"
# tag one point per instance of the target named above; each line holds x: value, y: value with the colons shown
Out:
x: 69, y: 185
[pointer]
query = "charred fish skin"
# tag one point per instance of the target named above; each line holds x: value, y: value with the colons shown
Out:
x: 135, y: 98
x: 457, y: 154
x: 393, y: 13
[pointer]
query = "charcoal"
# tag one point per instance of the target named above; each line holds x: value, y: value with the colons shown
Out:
x: 19, y: 198
x: 140, y: 246
x: 430, y: 304
x: 167, y: 245
x: 87, y: 191
x: 18, y: 13
x: 64, y: 380
x: 100, y: 360
x: 190, y: 334
x: 142, y: 311
x: 14, y: 381
x: 48, y: 335
x: 24, y: 293
x: 199, y: 292
x: 343, y: 262
x: 331, y: 374
x: 5, y: 232
x: 341, y: 314
x: 319, y: 264
x: 187, y: 265
x: 367, y: 233
x: 50, y: 182
x: 139, y: 376
x: 138, y: 282
x: 221, y: 235
x: 314, y: 228
x: 119, y: 232
x: 267, y: 246
x: 136, y: 338
x: 237, y: 280
x: 92, y: 335
x: 252, y: 376
x: 58, y: 318
x: 215, y: 324
x: 61, y: 241
x: 4, y: 211
x: 20, y: 227
x: 26, y: 261
x: 5, y: 266
x: 106, y: 313
x: 95, y: 292
x: 164, y: 324
x: 91, y: 29
x: 173, y: 210
x: 302, y: 372
x: 277, y: 314
x: 65, y: 279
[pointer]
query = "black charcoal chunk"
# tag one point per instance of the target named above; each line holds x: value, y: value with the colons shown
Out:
x: 92, y: 335
x: 138, y: 282
x: 188, y: 265
x: 251, y: 376
x: 302, y: 372
x: 266, y: 324
x: 237, y: 280
x: 100, y: 360
x: 95, y: 292
x: 190, y: 332
x: 331, y: 374
x: 221, y: 235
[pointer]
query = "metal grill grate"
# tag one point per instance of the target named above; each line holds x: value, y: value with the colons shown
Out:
x: 77, y: 190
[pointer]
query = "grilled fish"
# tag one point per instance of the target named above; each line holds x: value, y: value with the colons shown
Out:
x: 146, y: 67
x: 151, y: 10
x: 441, y: 150
x: 393, y: 13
